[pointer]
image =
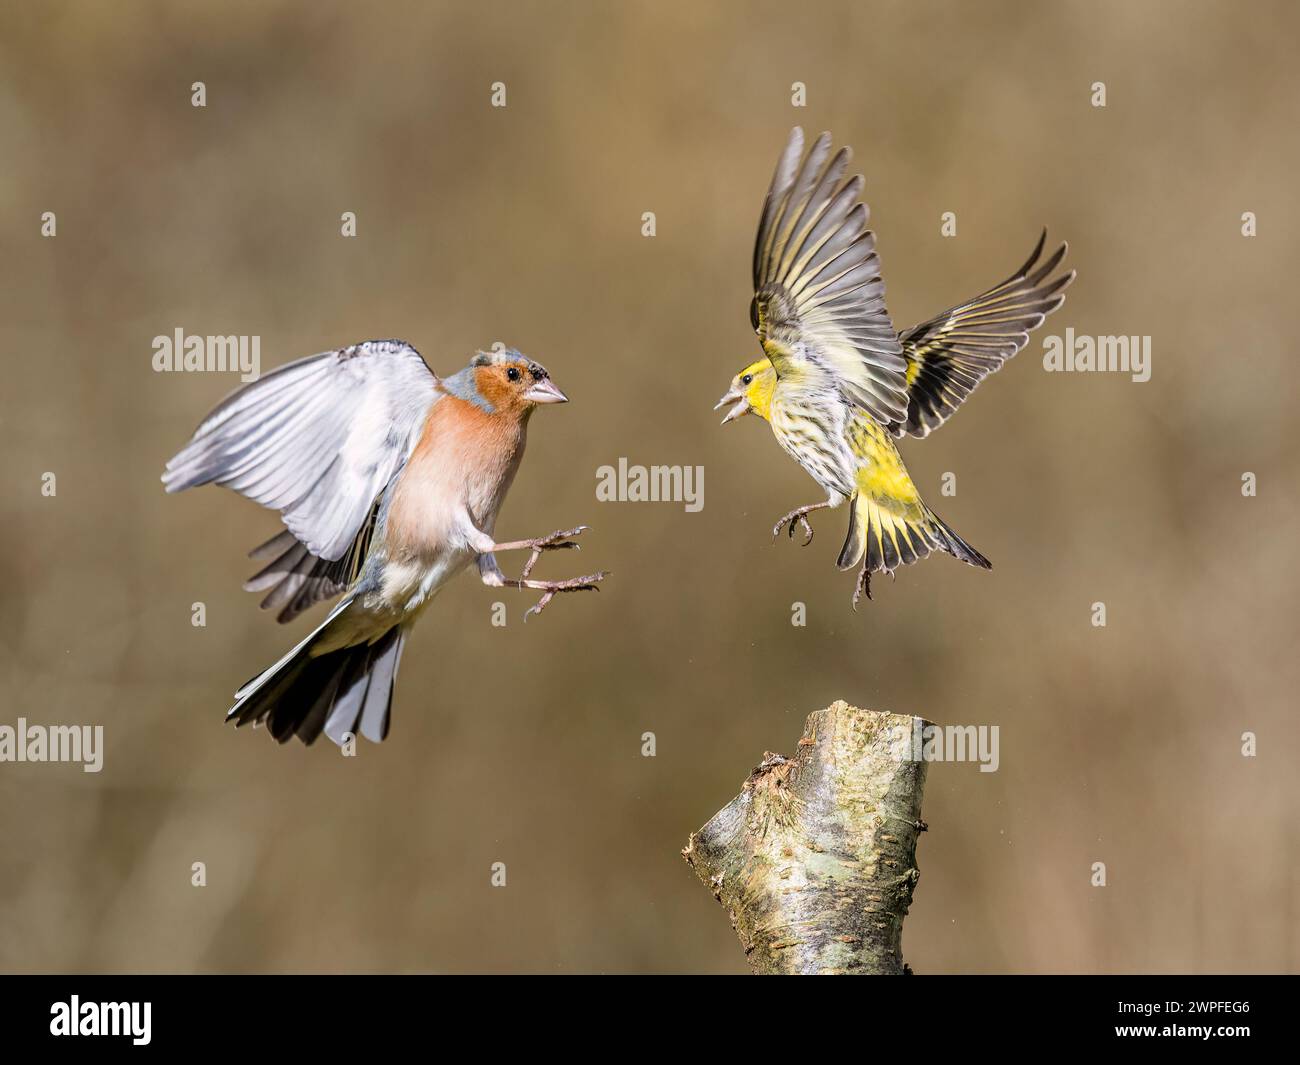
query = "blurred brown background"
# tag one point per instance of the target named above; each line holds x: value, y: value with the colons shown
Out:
x: 522, y: 745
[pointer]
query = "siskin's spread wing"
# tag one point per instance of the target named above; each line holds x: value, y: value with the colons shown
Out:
x: 953, y: 352
x: 819, y: 302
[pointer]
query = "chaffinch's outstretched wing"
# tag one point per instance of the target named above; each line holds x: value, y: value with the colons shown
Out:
x: 819, y: 302
x: 317, y: 439
x: 954, y: 351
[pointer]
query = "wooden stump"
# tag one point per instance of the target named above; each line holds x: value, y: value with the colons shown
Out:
x: 815, y: 859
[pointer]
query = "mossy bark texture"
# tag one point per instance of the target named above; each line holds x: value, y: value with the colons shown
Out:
x: 815, y: 860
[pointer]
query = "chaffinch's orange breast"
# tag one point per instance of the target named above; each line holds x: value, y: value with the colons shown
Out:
x: 465, y: 459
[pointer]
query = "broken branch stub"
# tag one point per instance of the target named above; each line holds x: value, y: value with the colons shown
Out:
x: 815, y: 859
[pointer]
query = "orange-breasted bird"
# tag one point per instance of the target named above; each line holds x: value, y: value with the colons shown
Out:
x: 837, y: 383
x: 388, y: 480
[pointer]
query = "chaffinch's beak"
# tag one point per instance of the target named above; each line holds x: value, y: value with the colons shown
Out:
x: 737, y: 397
x: 544, y: 391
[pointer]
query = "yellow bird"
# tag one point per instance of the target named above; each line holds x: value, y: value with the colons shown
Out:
x: 838, y: 384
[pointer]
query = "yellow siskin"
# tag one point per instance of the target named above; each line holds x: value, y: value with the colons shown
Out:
x: 837, y: 383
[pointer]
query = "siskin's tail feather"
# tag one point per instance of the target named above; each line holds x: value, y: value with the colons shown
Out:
x: 889, y: 525
x: 344, y: 691
x: 956, y: 546
x: 888, y: 535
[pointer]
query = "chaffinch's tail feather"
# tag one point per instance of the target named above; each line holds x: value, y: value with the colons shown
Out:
x: 344, y: 691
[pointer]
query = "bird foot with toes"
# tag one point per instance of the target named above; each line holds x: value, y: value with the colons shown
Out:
x: 798, y: 516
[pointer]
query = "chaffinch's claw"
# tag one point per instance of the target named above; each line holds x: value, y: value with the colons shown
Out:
x: 560, y: 540
x: 552, y: 588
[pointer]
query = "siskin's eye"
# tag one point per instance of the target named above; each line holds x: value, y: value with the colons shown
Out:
x: 748, y: 379
x: 513, y: 373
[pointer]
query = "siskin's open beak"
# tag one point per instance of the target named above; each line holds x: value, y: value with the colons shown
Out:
x: 737, y: 397
x: 544, y: 391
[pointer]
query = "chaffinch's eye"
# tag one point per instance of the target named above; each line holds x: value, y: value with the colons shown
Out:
x: 748, y: 379
x: 513, y: 373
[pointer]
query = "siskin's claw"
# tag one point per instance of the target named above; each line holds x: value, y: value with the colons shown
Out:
x: 863, y: 588
x: 799, y: 515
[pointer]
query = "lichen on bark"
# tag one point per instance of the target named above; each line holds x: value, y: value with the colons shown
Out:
x: 815, y: 859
